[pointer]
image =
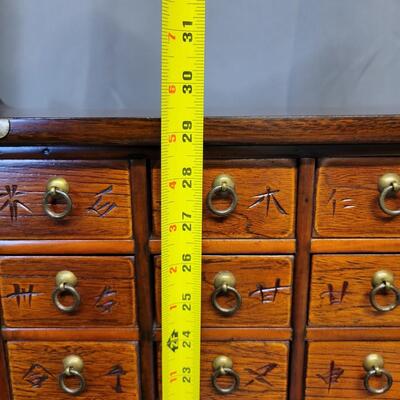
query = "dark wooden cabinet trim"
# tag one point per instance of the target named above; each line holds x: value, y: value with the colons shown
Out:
x: 144, y: 278
x: 305, y: 193
x: 217, y: 130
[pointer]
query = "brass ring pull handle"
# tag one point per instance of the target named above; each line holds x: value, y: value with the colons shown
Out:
x: 57, y: 188
x: 66, y: 282
x: 374, y: 364
x: 73, y: 366
x: 224, y: 283
x: 222, y: 366
x: 222, y: 186
x: 383, y: 282
x: 388, y: 184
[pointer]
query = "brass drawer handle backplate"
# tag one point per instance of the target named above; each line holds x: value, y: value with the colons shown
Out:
x: 73, y: 366
x: 224, y: 283
x: 66, y: 282
x: 388, y: 184
x: 383, y: 282
x: 374, y: 364
x: 222, y: 366
x: 223, y: 186
x: 57, y: 188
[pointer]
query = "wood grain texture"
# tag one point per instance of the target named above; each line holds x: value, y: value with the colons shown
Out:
x: 301, y: 277
x: 100, y: 192
x: 106, y: 286
x: 365, y: 245
x: 217, y: 130
x: 272, y: 217
x: 100, y: 360
x: 264, y: 283
x: 76, y: 334
x: 347, y: 198
x: 363, y: 333
x: 251, y: 360
x: 63, y: 247
x: 340, y: 290
x: 238, y: 246
x: 348, y: 357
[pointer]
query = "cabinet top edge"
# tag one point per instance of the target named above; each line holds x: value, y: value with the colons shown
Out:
x: 308, y: 130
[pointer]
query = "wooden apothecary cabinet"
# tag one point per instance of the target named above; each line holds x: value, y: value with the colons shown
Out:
x: 309, y: 239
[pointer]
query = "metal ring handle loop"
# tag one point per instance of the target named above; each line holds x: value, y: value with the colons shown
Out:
x: 378, y: 372
x: 224, y: 290
x: 384, y: 287
x: 223, y: 371
x: 72, y: 391
x: 214, y: 192
x: 65, y: 288
x: 54, y: 193
x: 382, y: 198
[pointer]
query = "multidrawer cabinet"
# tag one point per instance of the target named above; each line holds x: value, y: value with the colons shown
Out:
x: 300, y: 272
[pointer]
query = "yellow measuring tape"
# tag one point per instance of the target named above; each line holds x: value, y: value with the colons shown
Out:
x: 182, y: 103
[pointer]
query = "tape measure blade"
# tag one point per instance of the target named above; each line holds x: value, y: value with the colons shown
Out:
x: 182, y: 99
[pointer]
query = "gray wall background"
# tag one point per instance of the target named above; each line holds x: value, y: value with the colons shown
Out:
x: 263, y: 57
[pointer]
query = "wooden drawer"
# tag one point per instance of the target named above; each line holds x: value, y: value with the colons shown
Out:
x: 341, y: 287
x: 264, y: 284
x: 100, y: 194
x: 105, y: 284
x: 110, y: 369
x: 335, y: 370
x: 347, y: 198
x: 266, y: 191
x: 262, y: 368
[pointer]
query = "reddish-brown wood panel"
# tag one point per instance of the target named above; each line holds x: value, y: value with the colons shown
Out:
x: 217, y: 130
x: 266, y: 191
x: 340, y: 289
x: 263, y: 282
x: 262, y: 368
x: 110, y: 369
x: 335, y: 370
x: 100, y: 193
x: 106, y: 286
x: 347, y: 198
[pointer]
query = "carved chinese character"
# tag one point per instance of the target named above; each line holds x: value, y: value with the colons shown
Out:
x: 100, y: 206
x: 103, y: 301
x: 37, y: 375
x: 335, y: 297
x: 268, y: 196
x: 12, y: 203
x: 268, y: 294
x: 346, y: 202
x: 332, y: 376
x: 260, y: 374
x: 117, y: 371
x: 22, y: 293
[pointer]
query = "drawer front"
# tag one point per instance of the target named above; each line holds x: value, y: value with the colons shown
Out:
x: 99, y: 191
x: 265, y: 191
x: 262, y: 368
x: 105, y: 286
x: 336, y: 371
x: 342, y: 293
x: 110, y: 370
x: 347, y: 199
x: 263, y: 286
